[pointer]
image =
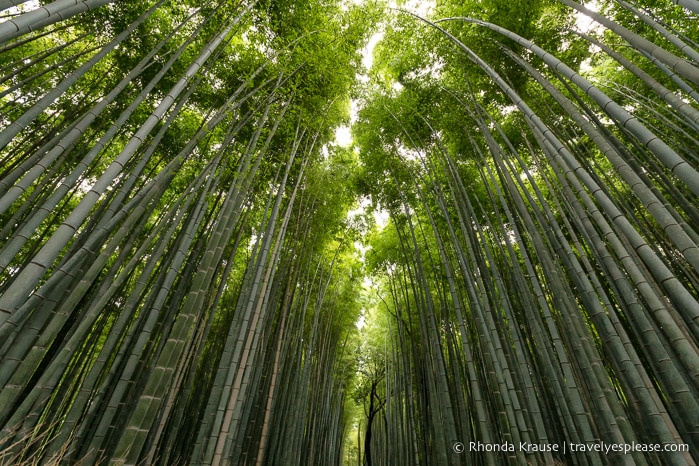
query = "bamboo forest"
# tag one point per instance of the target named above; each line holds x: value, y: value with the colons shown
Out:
x: 349, y: 232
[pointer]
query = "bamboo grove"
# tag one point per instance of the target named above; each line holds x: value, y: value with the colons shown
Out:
x: 182, y: 273
x: 167, y: 296
x: 539, y: 271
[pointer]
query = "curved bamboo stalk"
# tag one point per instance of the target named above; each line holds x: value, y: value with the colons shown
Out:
x: 692, y: 5
x: 27, y: 117
x: 31, y: 274
x: 45, y: 15
x: 690, y: 113
x: 675, y: 63
x: 679, y: 167
x: 676, y: 41
x: 5, y: 4
x: 31, y: 170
